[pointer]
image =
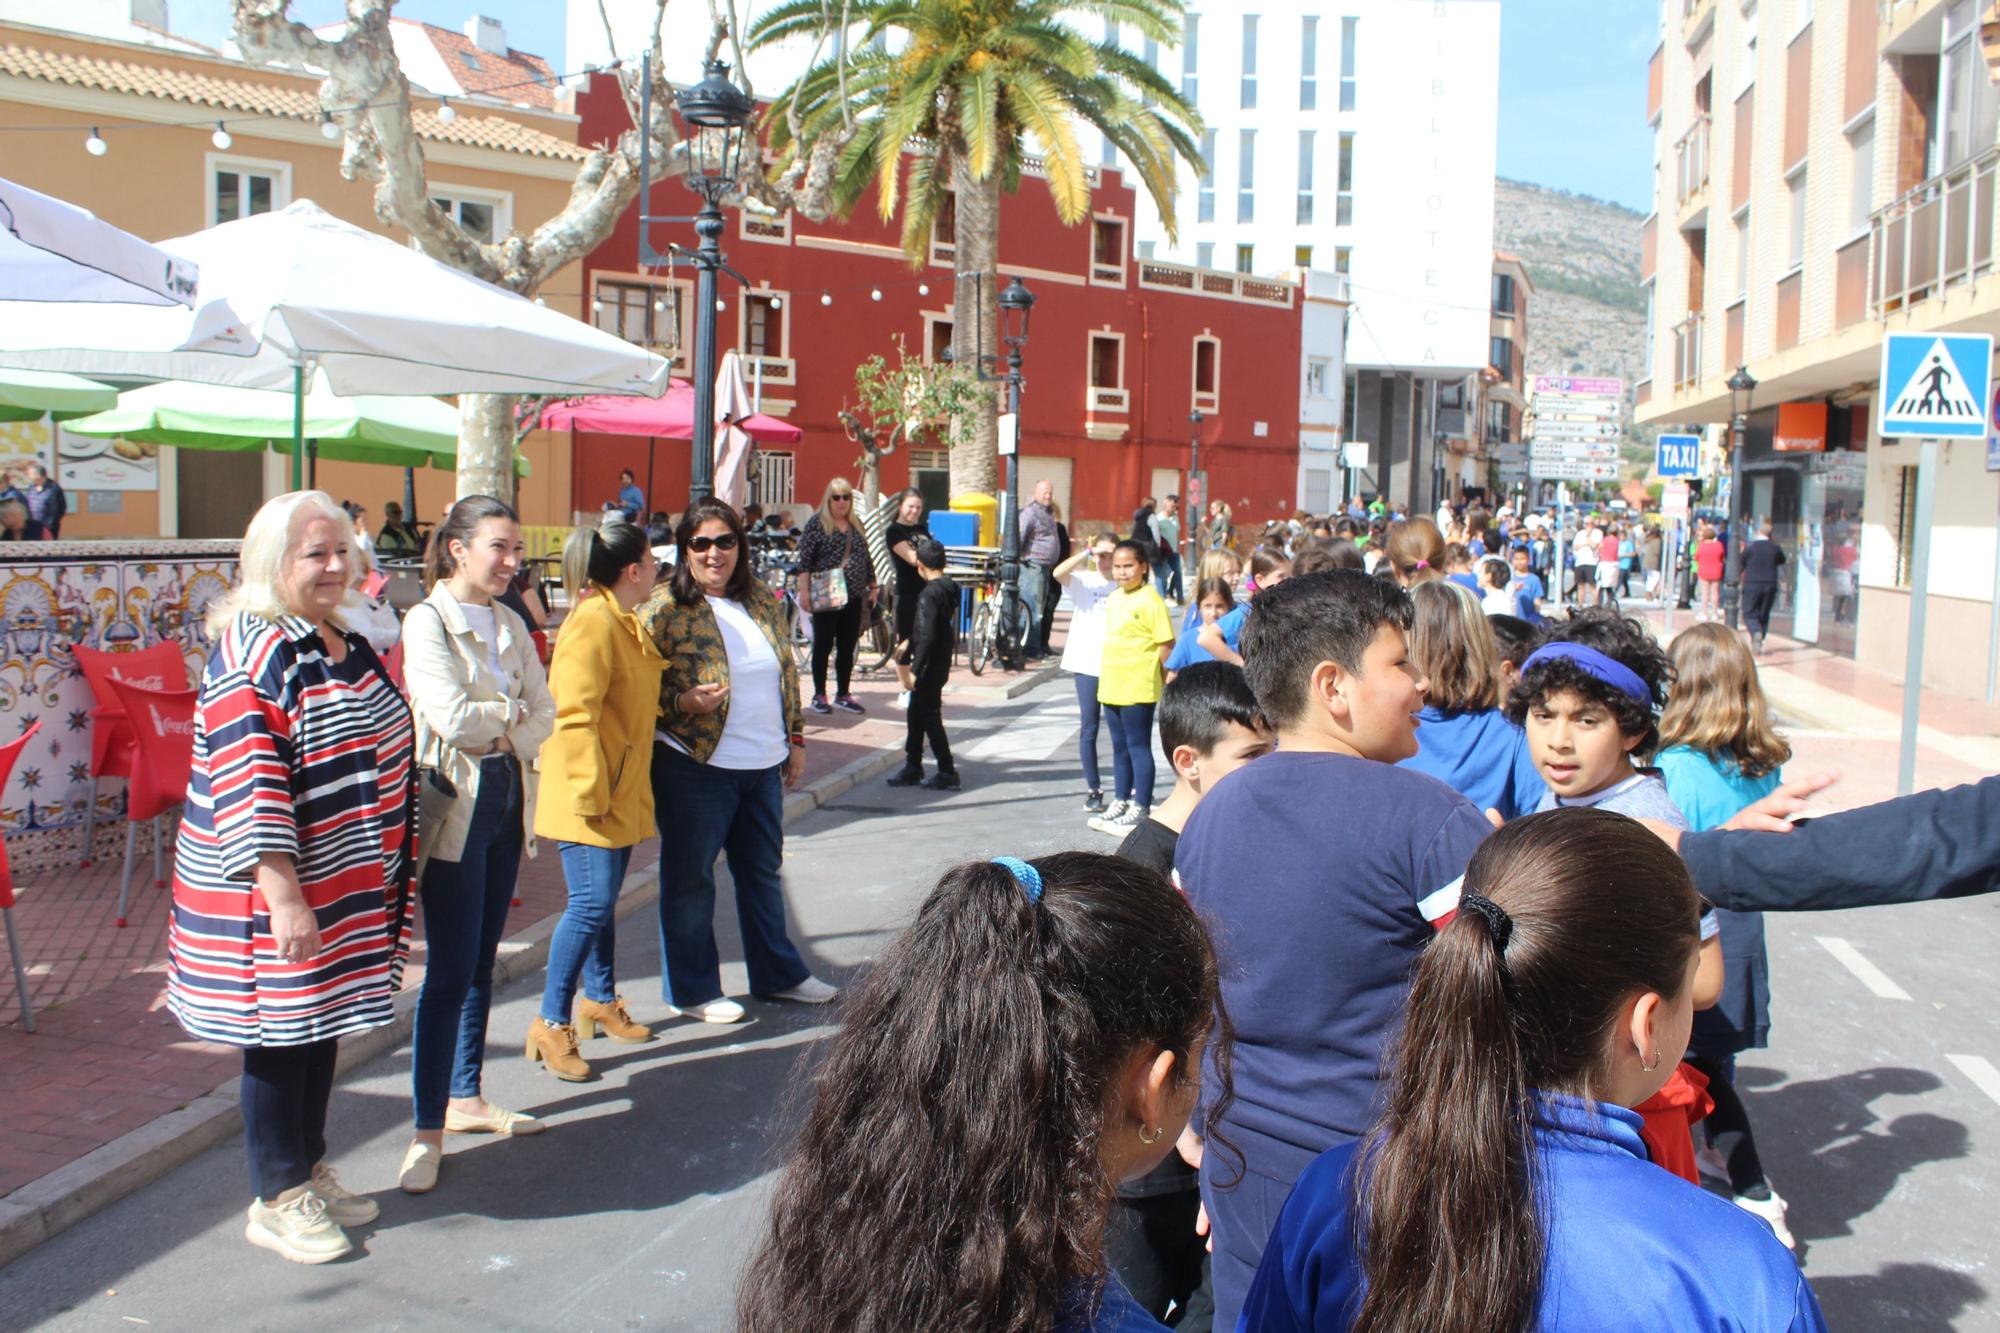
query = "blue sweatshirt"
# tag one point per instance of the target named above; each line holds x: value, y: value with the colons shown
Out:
x: 1481, y: 756
x: 1629, y: 1245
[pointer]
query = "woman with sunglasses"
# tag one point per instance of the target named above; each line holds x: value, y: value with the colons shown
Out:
x: 729, y: 747
x: 837, y: 584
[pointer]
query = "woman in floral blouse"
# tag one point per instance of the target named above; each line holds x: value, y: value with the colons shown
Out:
x: 837, y: 584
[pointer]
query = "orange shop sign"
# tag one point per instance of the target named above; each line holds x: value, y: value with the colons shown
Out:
x: 1801, y: 429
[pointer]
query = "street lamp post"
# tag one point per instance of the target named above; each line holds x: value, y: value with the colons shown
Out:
x: 1191, y: 515
x: 1016, y: 301
x: 1740, y: 386
x: 714, y: 113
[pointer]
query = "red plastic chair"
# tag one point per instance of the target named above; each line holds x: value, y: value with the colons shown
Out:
x: 8, y: 754
x: 112, y: 746
x: 162, y: 723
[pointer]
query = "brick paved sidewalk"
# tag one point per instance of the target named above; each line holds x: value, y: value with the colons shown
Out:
x: 106, y: 1058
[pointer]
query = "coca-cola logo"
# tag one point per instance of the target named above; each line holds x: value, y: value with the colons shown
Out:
x: 143, y: 682
x: 164, y: 725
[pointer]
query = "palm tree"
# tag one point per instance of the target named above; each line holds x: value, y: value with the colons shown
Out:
x: 945, y: 109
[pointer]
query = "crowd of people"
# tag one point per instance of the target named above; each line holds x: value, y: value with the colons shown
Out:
x: 1179, y: 1085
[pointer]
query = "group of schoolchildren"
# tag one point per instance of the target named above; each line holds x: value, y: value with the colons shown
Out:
x: 1320, y: 1048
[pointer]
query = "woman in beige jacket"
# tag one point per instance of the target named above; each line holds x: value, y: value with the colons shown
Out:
x: 482, y: 707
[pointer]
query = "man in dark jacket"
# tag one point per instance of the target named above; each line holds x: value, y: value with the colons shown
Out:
x: 1761, y: 559
x: 45, y: 500
x: 933, y: 640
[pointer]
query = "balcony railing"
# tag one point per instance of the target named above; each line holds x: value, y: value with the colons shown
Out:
x: 1214, y: 282
x: 1697, y: 20
x: 1109, y: 400
x: 777, y: 369
x: 1691, y: 158
x: 1933, y: 238
x: 1687, y: 352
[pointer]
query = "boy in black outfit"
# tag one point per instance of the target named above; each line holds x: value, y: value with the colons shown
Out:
x: 1210, y: 726
x: 933, y: 640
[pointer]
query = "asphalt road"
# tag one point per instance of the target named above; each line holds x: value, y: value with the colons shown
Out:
x: 1877, y: 1109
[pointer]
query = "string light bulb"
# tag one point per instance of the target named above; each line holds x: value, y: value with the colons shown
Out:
x: 777, y: 303
x: 720, y: 306
x: 95, y: 144
x: 826, y: 298
x: 327, y: 128
x: 221, y: 138
x: 447, y: 113
x: 923, y: 289
x: 875, y: 295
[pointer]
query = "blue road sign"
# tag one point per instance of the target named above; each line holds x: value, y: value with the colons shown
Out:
x: 1679, y: 456
x: 1934, y: 385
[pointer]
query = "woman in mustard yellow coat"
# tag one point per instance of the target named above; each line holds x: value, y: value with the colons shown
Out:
x: 596, y: 799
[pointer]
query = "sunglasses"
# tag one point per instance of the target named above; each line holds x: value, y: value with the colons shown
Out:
x: 845, y: 499
x: 726, y: 542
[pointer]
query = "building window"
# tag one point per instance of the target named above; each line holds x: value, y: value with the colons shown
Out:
x: 483, y: 217
x: 1107, y: 152
x: 937, y: 339
x: 1650, y: 313
x: 647, y: 313
x: 1743, y: 252
x: 763, y: 324
x: 1207, y: 372
x: 1496, y: 421
x: 1966, y: 102
x: 1249, y: 62
x: 1204, y: 254
x: 1343, y: 259
x: 1190, y: 50
x: 1503, y: 293
x: 944, y: 231
x: 240, y: 188
x: 1246, y: 175
x: 1105, y: 354
x: 1305, y: 178
x: 1906, y: 524
x: 1795, y: 252
x: 1347, y: 33
x: 1350, y: 408
x: 1309, y: 63
x: 1343, y: 203
x: 1861, y: 177
x: 1499, y: 355
x: 775, y: 470
x: 1152, y: 58
x: 1318, y: 368
x: 1204, y: 200
x: 1107, y: 249
x: 1246, y: 257
x: 1302, y: 256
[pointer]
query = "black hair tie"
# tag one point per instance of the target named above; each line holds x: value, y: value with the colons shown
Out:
x: 1499, y: 926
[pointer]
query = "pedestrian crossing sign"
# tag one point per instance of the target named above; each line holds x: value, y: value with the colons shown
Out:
x: 1934, y: 385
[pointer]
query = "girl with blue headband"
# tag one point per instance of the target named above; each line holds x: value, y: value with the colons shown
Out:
x: 1033, y: 1038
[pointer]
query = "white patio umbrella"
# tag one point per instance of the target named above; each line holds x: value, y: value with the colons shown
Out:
x: 732, y: 442
x: 287, y: 292
x: 54, y: 251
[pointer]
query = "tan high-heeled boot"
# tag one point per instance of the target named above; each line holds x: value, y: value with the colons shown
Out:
x: 613, y: 1018
x: 555, y: 1046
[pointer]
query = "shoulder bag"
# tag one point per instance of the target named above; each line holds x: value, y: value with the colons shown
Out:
x: 827, y: 590
x: 436, y: 792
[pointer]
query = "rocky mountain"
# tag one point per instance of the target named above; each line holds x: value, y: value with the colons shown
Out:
x: 1588, y: 312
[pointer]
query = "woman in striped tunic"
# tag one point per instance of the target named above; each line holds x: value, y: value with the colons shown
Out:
x: 292, y: 873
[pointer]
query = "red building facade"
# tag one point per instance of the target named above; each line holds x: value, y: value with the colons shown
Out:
x: 1121, y: 350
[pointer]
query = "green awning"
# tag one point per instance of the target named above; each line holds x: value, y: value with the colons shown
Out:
x: 27, y: 394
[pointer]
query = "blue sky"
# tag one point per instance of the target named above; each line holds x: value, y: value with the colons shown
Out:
x: 1572, y: 78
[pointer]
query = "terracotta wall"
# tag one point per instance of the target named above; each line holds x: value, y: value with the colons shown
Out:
x: 1798, y: 96
x: 1861, y: 58
x: 1739, y: 171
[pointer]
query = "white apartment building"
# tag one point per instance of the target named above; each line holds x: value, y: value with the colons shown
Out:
x: 1357, y: 138
x: 1825, y: 175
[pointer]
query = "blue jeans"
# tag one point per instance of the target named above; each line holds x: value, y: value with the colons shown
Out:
x: 704, y: 811
x: 1086, y: 738
x: 1167, y: 573
x: 1038, y: 593
x: 1132, y: 752
x: 585, y: 939
x: 465, y: 913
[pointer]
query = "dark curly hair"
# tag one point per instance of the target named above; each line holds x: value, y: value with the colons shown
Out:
x: 1627, y: 642
x: 948, y: 1173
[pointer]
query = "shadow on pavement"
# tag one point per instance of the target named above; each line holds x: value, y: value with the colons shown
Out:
x: 1915, y: 1298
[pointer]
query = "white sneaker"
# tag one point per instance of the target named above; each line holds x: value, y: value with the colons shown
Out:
x: 903, y: 700
x: 724, y: 1010
x: 296, y: 1226
x: 1772, y: 1210
x: 810, y: 991
x: 1102, y: 823
x: 1710, y: 1165
x: 343, y: 1205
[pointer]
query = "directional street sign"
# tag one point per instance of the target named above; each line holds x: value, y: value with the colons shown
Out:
x: 1934, y: 385
x: 1572, y: 384
x: 1679, y: 456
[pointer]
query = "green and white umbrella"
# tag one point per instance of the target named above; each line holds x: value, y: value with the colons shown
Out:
x: 25, y: 395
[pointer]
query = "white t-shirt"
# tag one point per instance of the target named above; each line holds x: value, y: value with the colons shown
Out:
x: 1083, y: 650
x: 482, y: 622
x: 753, y: 736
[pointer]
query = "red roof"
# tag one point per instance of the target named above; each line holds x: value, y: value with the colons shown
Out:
x: 505, y: 77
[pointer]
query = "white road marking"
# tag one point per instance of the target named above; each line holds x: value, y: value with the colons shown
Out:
x: 1869, y: 975
x: 1981, y: 1071
x: 1029, y: 740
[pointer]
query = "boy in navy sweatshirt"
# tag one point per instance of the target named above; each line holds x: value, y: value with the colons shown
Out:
x: 933, y: 640
x: 1322, y: 870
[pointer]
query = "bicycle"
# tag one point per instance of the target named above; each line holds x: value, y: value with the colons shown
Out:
x: 999, y: 625
x: 779, y: 574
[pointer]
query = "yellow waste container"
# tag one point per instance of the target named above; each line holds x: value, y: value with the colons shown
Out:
x: 988, y: 509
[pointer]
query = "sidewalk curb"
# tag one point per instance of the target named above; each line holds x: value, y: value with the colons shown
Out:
x: 51, y: 1204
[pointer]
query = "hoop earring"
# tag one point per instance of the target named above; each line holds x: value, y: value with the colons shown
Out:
x: 1655, y: 1065
x: 1150, y: 1139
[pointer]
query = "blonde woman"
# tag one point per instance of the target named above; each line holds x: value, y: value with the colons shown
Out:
x: 481, y: 703
x: 289, y: 933
x: 837, y: 584
x: 1464, y: 739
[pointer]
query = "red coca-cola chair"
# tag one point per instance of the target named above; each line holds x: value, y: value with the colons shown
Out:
x: 8, y: 754
x: 162, y: 723
x: 160, y: 667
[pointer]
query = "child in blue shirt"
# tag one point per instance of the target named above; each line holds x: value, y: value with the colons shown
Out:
x: 1212, y: 601
x: 1527, y: 589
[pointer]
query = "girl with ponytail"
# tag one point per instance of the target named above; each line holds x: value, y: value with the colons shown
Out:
x: 1505, y: 1186
x: 1033, y: 1038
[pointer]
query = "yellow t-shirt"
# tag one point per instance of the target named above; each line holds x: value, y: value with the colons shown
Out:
x: 1135, y: 625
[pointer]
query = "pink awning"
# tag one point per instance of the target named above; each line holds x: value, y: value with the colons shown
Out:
x: 670, y: 416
